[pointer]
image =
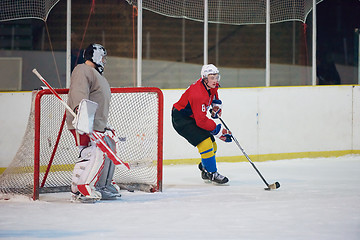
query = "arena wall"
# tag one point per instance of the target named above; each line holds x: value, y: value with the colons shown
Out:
x: 270, y: 123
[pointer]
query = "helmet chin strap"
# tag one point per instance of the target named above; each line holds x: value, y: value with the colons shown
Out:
x: 99, y: 68
x: 206, y: 82
x: 94, y: 65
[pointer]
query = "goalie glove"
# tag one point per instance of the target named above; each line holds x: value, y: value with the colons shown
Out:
x: 76, y: 121
x: 222, y: 133
x: 110, y: 132
x: 85, y: 114
x: 216, y: 108
x: 109, y: 128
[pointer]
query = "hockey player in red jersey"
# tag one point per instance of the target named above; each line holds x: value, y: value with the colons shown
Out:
x: 189, y: 119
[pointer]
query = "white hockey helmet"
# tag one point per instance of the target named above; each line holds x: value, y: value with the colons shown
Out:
x: 96, y: 53
x: 209, y: 69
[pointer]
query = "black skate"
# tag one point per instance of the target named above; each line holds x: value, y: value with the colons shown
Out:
x: 204, y: 175
x: 216, y: 177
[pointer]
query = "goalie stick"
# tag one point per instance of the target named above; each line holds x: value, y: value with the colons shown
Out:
x: 275, y: 185
x: 99, y: 140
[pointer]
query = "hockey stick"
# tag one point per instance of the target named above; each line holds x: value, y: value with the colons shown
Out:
x: 269, y: 186
x: 99, y: 140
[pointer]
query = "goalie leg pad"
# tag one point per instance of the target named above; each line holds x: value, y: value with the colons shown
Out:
x: 110, y: 184
x: 87, y: 170
x: 105, y: 183
x: 103, y: 175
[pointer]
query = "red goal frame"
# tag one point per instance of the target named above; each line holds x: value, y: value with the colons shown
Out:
x: 37, y: 120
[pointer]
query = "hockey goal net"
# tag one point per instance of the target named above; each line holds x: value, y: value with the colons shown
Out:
x: 46, y: 157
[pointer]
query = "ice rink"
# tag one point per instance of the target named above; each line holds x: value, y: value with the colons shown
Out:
x: 318, y: 199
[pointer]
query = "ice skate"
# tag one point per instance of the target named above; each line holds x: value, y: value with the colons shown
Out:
x: 78, y: 197
x: 106, y: 194
x: 204, y: 175
x: 113, y: 188
x: 216, y: 177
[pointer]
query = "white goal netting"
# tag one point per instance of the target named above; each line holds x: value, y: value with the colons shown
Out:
x: 22, y: 9
x: 234, y: 12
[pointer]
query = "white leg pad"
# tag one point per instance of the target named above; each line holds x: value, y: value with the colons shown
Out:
x: 86, y: 171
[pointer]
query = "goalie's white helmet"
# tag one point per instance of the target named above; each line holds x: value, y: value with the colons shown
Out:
x: 96, y: 53
x: 209, y: 69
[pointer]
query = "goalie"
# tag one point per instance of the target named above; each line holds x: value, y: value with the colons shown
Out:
x: 190, y: 121
x: 93, y: 172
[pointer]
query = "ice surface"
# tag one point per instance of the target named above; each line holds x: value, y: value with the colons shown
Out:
x: 318, y: 199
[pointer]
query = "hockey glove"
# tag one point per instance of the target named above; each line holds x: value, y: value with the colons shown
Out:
x: 222, y: 133
x: 109, y: 128
x: 85, y: 114
x: 76, y: 121
x: 216, y: 108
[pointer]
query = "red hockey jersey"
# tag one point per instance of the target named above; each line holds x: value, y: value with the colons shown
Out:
x: 195, y: 102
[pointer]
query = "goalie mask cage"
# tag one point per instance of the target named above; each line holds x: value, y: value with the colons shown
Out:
x: 45, y: 159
